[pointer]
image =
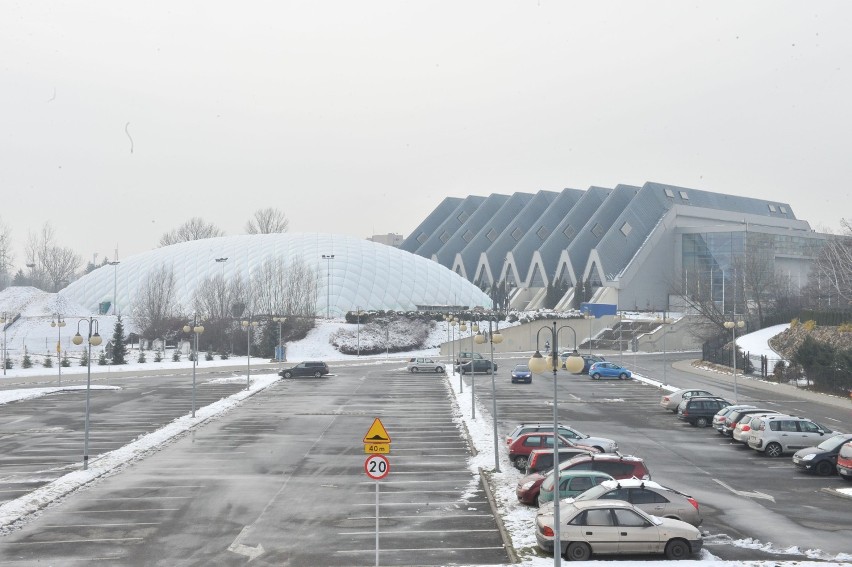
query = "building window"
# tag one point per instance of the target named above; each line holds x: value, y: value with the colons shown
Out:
x: 684, y: 196
x: 783, y: 210
x: 543, y: 233
x: 517, y: 234
x: 463, y: 217
x: 468, y: 236
x: 669, y: 193
x: 445, y: 237
x: 626, y: 228
x: 492, y: 235
x: 422, y: 238
x: 597, y: 230
x: 569, y: 232
x: 771, y: 208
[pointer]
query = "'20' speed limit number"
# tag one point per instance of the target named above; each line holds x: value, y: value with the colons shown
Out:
x: 377, y: 467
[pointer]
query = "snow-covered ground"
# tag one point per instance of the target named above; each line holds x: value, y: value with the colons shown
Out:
x: 517, y: 518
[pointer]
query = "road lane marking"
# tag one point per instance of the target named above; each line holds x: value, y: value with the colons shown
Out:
x: 744, y: 493
x: 73, y: 541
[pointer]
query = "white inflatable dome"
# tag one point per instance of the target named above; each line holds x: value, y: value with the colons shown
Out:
x: 362, y: 274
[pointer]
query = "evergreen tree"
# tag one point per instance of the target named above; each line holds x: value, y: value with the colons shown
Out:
x: 119, y: 343
x: 84, y: 360
x: 102, y: 359
x: 8, y: 363
x: 27, y: 361
x: 141, y: 358
x: 158, y: 356
x: 209, y: 355
x: 176, y: 355
x: 65, y: 362
x: 48, y: 362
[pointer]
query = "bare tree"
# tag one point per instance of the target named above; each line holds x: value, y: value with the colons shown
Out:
x: 156, y: 303
x: 285, y: 289
x: 50, y: 265
x: 833, y: 266
x: 267, y: 221
x: 193, y: 229
x: 6, y: 256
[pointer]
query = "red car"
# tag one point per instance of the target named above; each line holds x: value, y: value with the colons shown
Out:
x: 520, y: 448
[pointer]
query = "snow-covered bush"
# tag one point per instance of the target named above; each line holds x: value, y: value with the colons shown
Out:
x: 391, y: 334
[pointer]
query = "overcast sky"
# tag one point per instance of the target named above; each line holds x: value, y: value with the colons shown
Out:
x: 122, y: 120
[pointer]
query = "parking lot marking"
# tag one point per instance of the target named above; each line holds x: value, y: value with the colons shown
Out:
x: 113, y: 510
x: 63, y: 526
x: 744, y: 493
x: 87, y: 540
x: 409, y: 549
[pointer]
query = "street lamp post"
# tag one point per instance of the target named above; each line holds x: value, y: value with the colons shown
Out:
x: 665, y: 321
x: 94, y: 339
x: 733, y: 326
x: 280, y: 320
x: 114, y: 284
x: 197, y: 330
x: 328, y: 259
x: 538, y: 364
x: 5, y: 321
x: 590, y: 316
x: 453, y: 322
x: 222, y: 261
x: 474, y: 327
x: 358, y: 310
x: 58, y: 322
x: 248, y: 324
x: 493, y: 337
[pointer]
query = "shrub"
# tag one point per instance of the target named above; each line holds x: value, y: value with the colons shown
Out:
x: 158, y: 355
x: 809, y: 325
x: 65, y: 362
x: 141, y: 358
x: 27, y: 361
x: 48, y: 362
x: 176, y: 355
x: 102, y: 359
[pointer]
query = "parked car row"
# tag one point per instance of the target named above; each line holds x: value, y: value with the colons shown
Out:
x: 815, y: 447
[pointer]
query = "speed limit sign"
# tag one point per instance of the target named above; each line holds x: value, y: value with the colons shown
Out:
x: 377, y: 467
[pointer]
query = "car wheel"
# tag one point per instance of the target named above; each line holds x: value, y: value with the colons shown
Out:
x: 824, y: 468
x: 317, y: 374
x: 520, y: 462
x: 622, y: 376
x: 439, y: 369
x: 578, y: 551
x: 596, y: 376
x: 773, y: 450
x: 677, y: 549
x: 415, y: 369
x: 701, y: 422
x: 287, y: 374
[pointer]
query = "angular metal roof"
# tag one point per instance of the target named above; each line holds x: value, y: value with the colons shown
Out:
x: 454, y: 220
x: 446, y: 255
x: 427, y: 228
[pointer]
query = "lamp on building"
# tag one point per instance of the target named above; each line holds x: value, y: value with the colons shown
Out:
x: 94, y: 339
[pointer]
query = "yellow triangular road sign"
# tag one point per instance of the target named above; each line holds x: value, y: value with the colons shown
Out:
x: 377, y: 433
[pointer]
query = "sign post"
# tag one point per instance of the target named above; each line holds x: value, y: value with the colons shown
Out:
x: 377, y: 466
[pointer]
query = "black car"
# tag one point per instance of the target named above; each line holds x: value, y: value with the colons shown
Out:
x: 308, y: 368
x: 477, y: 365
x: 821, y: 459
x: 588, y: 360
x: 698, y: 411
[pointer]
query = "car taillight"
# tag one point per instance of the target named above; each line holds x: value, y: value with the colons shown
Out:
x: 508, y: 441
x: 685, y: 412
x: 746, y: 428
x: 694, y: 502
x: 665, y: 398
x: 547, y: 531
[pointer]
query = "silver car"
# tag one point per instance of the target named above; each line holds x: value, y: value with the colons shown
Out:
x: 671, y: 400
x: 719, y: 418
x: 615, y: 527
x: 420, y: 364
x: 646, y: 495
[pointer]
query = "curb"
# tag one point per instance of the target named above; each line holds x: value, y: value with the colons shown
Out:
x: 837, y: 493
x: 504, y: 533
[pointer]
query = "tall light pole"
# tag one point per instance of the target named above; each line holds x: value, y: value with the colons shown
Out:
x: 5, y: 321
x: 328, y: 260
x: 247, y: 325
x: 538, y: 364
x: 590, y: 316
x: 222, y: 261
x: 453, y: 322
x: 665, y: 321
x: 114, y: 285
x: 494, y: 336
x: 358, y: 313
x: 280, y: 353
x: 197, y: 330
x: 58, y: 322
x: 94, y: 339
x: 474, y: 327
x: 733, y: 326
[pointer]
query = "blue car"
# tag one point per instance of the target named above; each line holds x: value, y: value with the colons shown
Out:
x: 600, y: 370
x: 521, y: 373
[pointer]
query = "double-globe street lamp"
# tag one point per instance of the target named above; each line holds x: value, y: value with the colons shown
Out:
x: 196, y: 329
x: 538, y: 364
x: 94, y: 339
x: 58, y: 322
x: 733, y: 326
x: 494, y: 336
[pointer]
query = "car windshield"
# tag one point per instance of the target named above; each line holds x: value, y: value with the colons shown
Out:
x: 593, y: 493
x: 833, y: 443
x: 522, y: 368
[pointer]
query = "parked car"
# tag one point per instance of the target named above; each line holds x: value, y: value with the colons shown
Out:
x: 588, y: 360
x: 521, y: 447
x: 698, y: 411
x: 521, y: 373
x: 602, y: 444
x: 742, y: 430
x: 542, y: 459
x: 671, y: 400
x: 615, y: 527
x: 425, y: 365
x: 646, y: 495
x: 719, y: 418
x: 844, y: 462
x: 308, y: 368
x: 600, y: 370
x: 571, y: 483
x: 478, y: 365
x: 617, y: 466
x: 736, y: 416
x: 821, y: 459
x: 467, y: 356
x: 779, y: 434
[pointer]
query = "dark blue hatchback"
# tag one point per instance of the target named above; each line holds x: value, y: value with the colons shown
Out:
x: 521, y: 373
